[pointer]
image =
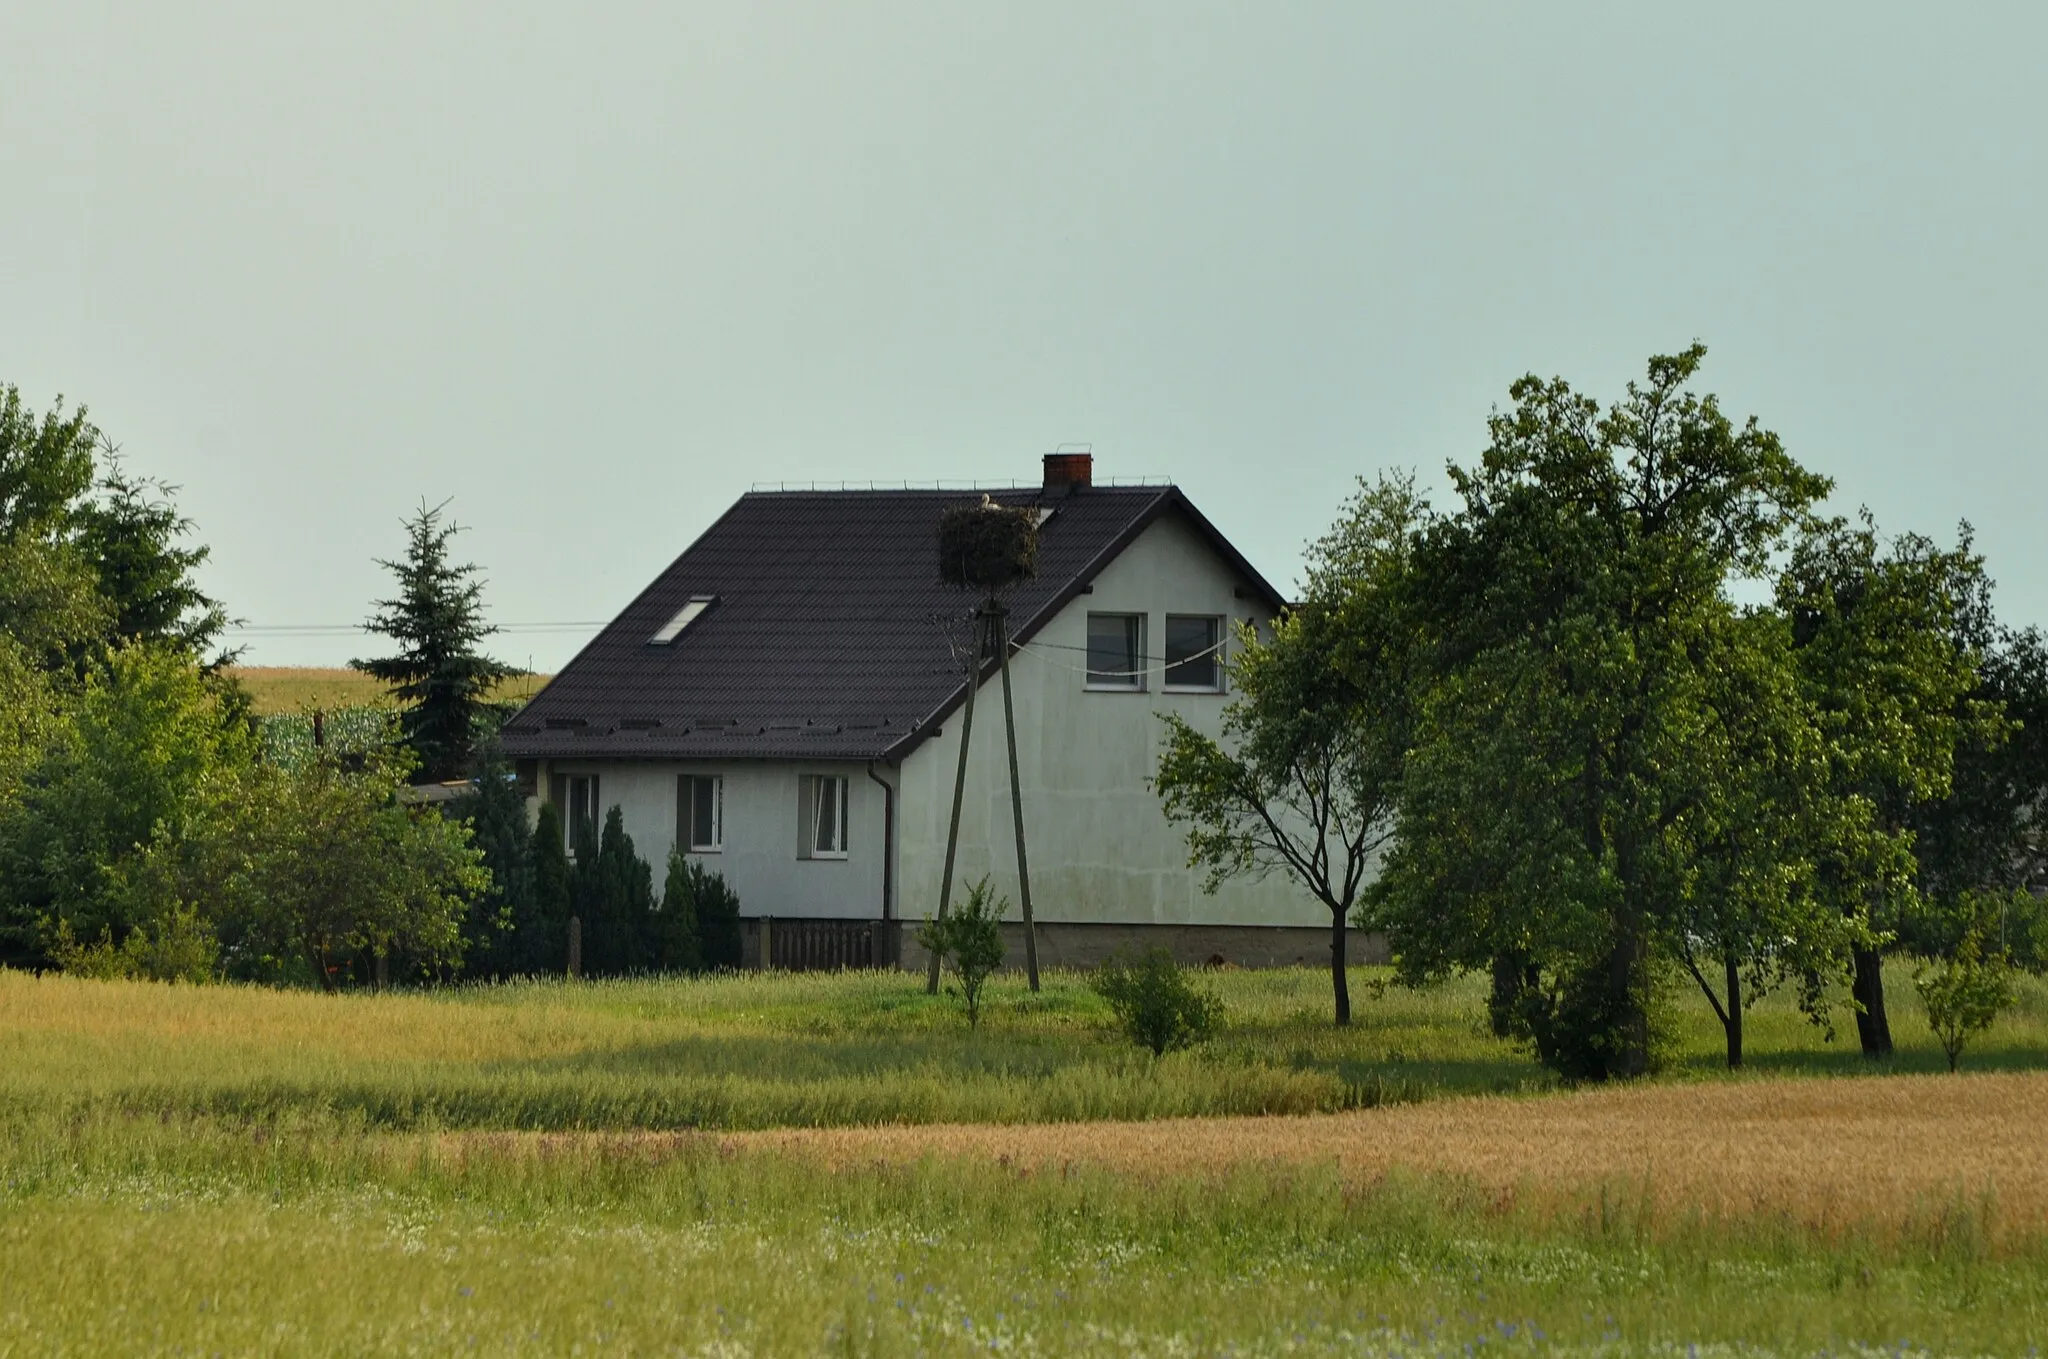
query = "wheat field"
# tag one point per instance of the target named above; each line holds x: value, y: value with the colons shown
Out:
x: 817, y: 1164
x: 280, y: 689
x: 1826, y: 1156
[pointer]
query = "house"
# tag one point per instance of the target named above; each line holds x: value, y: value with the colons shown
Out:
x: 784, y: 702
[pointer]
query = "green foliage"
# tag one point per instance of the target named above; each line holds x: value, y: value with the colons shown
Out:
x: 682, y: 942
x: 50, y: 605
x: 45, y: 466
x: 969, y: 941
x: 1967, y: 990
x: 717, y: 910
x: 1884, y: 649
x: 1155, y: 1003
x: 181, y: 946
x: 30, y: 714
x: 83, y: 566
x: 1305, y: 777
x: 304, y: 869
x: 1609, y: 758
x: 438, y: 673
x: 612, y: 891
x: 146, y: 736
x: 545, y: 948
x: 500, y: 919
x: 131, y: 536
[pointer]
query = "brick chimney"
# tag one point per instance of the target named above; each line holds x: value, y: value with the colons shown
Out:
x: 1066, y: 473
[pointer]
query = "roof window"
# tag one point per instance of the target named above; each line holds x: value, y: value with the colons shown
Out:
x: 685, y: 616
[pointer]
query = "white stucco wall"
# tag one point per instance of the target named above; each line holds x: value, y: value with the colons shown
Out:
x: 759, y: 858
x: 1100, y: 848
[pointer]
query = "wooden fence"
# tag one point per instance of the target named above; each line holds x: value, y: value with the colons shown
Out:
x: 824, y: 945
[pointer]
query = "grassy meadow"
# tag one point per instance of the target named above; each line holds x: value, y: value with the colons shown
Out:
x: 834, y: 1164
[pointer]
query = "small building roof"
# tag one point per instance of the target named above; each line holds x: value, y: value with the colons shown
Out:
x: 813, y: 625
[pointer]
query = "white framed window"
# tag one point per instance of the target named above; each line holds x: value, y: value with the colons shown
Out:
x: 821, y: 817
x: 1116, y: 651
x: 700, y: 813
x: 575, y: 797
x: 1194, y: 653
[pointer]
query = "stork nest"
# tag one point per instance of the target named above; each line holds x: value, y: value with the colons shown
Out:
x: 987, y: 546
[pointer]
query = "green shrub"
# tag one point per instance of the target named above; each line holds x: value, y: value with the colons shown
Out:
x: 1965, y: 992
x: 178, y: 947
x: 969, y: 942
x: 1158, y: 1007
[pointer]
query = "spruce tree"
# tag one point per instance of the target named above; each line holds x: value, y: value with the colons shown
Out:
x: 545, y: 949
x: 134, y: 539
x: 500, y: 920
x: 615, y: 898
x: 682, y: 946
x: 438, y: 674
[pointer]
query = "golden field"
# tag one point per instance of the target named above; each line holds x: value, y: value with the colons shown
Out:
x: 776, y: 1164
x: 1822, y: 1154
x: 279, y: 689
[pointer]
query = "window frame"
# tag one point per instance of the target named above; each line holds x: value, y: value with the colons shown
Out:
x: 1218, y: 640
x: 1135, y: 683
x: 565, y: 788
x: 687, y: 788
x: 808, y: 800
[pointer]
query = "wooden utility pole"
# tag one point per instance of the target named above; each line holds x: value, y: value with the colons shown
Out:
x: 931, y: 981
x: 1000, y: 627
x: 991, y: 632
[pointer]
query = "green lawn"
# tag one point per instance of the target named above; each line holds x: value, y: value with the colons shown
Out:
x: 226, y: 1170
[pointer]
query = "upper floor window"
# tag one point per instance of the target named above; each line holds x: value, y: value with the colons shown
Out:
x: 821, y: 815
x: 700, y: 813
x: 1194, y: 653
x: 1116, y: 651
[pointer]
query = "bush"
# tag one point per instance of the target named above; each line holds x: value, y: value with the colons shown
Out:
x: 1155, y: 1003
x: 969, y: 942
x: 179, y: 947
x: 1966, y: 991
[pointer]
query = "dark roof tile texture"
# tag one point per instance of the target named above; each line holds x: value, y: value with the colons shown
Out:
x: 829, y: 639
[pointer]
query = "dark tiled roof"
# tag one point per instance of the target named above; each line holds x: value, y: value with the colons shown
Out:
x: 827, y: 640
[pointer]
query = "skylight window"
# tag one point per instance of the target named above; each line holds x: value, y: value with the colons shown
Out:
x: 687, y: 615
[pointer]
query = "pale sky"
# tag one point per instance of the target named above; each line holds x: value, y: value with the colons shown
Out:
x: 592, y: 270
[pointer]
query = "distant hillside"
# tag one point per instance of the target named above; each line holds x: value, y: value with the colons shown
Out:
x: 301, y: 688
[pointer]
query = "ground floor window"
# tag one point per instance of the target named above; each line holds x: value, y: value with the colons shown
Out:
x: 700, y: 813
x: 821, y: 812
x: 575, y: 797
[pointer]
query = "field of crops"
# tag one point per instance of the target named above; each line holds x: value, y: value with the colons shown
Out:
x: 548, y: 1167
x: 279, y: 689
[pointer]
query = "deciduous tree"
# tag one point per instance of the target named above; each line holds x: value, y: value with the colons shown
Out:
x: 1304, y: 778
x: 1578, y: 760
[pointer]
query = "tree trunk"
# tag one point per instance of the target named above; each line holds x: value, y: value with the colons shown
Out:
x: 1872, y: 1026
x: 1339, y: 980
x: 1512, y: 975
x: 1734, y: 1020
x: 1628, y: 1002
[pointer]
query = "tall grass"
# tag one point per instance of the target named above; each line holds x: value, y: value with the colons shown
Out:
x: 753, y: 1051
x: 236, y: 1170
x: 124, y: 1235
